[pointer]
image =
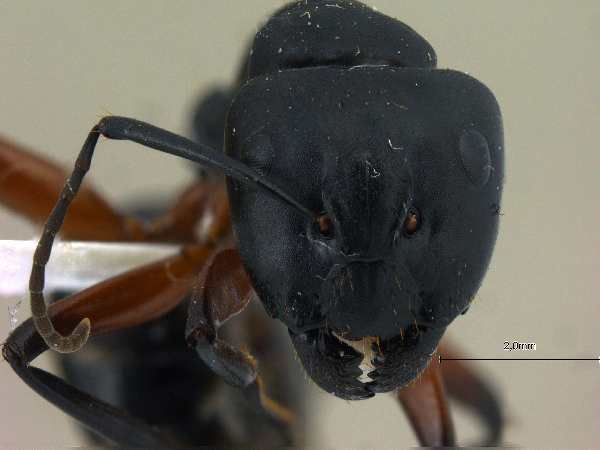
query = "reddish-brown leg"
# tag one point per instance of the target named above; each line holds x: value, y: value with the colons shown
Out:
x: 468, y: 387
x: 224, y: 293
x: 136, y: 296
x: 30, y: 186
x: 204, y: 200
x: 425, y: 403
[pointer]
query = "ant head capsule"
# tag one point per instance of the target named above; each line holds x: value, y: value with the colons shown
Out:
x: 405, y: 161
x: 407, y: 184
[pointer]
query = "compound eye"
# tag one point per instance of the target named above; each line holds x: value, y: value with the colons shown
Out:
x: 325, y: 226
x: 412, y: 221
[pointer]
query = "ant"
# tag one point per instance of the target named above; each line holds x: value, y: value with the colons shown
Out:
x: 356, y: 206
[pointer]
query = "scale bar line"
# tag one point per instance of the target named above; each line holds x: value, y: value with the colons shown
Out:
x: 518, y: 359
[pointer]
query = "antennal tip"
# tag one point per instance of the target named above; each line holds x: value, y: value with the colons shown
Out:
x: 73, y: 342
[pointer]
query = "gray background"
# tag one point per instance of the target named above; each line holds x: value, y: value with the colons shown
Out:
x: 65, y: 64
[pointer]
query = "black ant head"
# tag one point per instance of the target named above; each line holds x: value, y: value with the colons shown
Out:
x: 404, y: 168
